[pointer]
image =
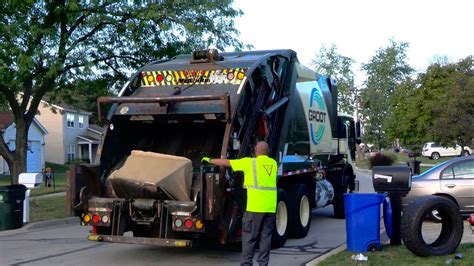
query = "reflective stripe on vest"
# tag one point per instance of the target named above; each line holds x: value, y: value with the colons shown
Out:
x: 255, y: 179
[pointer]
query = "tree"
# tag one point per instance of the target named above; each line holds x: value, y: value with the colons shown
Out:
x: 46, y: 45
x: 330, y: 63
x: 437, y: 106
x: 454, y: 114
x: 385, y: 71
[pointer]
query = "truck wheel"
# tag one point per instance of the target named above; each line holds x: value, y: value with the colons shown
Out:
x: 338, y: 202
x: 300, y: 214
x: 280, y: 233
x: 451, y: 229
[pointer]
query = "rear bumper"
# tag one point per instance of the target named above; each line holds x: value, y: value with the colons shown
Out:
x: 161, y: 242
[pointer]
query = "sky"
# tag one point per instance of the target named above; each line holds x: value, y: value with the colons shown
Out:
x: 359, y: 28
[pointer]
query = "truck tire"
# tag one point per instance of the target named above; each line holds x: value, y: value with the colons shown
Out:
x: 338, y: 202
x: 300, y: 212
x: 451, y: 231
x: 280, y: 233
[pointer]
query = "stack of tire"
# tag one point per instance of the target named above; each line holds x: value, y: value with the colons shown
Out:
x: 451, y: 230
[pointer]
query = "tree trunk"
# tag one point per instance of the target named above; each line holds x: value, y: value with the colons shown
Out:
x: 18, y: 165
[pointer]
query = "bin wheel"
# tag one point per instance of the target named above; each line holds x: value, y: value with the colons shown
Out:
x: 372, y: 248
x: 451, y: 230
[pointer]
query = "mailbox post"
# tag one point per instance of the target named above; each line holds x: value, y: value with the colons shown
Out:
x: 396, y: 181
x: 30, y: 180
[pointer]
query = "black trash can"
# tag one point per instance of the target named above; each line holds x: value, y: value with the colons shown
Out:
x: 11, y: 206
x: 414, y: 166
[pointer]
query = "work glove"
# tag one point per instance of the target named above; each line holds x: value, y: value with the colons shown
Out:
x: 206, y: 160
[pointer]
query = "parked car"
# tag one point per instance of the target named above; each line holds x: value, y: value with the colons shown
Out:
x: 435, y: 151
x: 453, y: 179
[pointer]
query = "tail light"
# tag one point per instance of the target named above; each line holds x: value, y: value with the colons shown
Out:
x: 96, y: 218
x: 188, y: 224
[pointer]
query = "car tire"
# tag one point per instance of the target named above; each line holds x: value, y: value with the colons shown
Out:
x: 300, y: 215
x: 465, y: 153
x: 451, y: 231
x: 280, y: 232
x: 435, y: 156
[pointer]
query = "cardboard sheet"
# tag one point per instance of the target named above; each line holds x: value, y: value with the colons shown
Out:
x: 153, y: 175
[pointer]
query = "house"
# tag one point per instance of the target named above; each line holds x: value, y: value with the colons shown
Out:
x: 70, y: 135
x: 35, y: 160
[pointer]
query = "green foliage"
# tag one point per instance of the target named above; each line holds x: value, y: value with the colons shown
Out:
x: 454, y: 115
x: 330, y: 63
x: 46, y: 46
x: 385, y: 71
x: 437, y: 106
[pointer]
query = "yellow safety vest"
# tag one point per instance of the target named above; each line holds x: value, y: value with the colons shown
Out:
x: 260, y: 180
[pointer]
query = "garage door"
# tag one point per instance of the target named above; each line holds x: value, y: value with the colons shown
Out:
x: 33, y: 159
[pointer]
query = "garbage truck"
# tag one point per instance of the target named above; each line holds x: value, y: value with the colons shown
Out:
x: 148, y: 185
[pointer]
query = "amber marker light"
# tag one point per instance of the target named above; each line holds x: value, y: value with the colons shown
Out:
x: 87, y: 218
x: 199, y: 224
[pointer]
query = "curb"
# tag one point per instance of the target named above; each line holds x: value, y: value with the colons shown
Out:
x: 323, y: 257
x: 41, y: 225
x: 51, y: 223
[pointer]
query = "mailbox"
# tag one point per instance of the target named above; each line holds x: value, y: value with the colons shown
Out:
x: 395, y: 180
x: 30, y: 180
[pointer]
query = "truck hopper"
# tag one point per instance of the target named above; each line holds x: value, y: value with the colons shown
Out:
x: 154, y: 176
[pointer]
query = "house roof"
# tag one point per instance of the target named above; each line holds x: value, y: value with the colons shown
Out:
x: 6, y: 119
x: 61, y: 106
x: 97, y: 129
x: 88, y: 139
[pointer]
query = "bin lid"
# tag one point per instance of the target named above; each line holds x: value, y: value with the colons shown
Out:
x: 387, y: 217
x: 12, y: 187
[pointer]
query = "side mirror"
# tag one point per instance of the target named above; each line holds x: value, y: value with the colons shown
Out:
x: 357, y: 133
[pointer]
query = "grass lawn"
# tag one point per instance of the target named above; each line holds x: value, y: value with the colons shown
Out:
x: 402, y: 157
x: 60, y: 182
x: 48, y: 209
x: 400, y: 255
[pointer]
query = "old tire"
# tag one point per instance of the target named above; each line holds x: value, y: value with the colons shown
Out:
x: 300, y: 213
x: 434, y: 216
x: 280, y: 232
x: 435, y: 156
x: 451, y: 231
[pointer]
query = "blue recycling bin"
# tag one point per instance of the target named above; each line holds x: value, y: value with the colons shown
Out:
x: 363, y: 221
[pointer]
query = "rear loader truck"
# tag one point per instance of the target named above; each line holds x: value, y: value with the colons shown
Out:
x: 148, y: 185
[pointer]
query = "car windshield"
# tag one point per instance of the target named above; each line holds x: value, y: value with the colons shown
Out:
x: 434, y: 168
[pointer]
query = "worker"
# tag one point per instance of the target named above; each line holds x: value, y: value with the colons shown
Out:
x: 258, y: 222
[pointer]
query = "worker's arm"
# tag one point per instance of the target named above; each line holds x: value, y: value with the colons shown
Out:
x: 218, y: 162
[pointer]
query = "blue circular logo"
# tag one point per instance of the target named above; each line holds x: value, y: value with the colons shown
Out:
x: 317, y: 116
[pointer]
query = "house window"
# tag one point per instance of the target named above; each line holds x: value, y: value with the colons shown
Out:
x: 70, y: 120
x: 81, y: 121
x: 70, y: 152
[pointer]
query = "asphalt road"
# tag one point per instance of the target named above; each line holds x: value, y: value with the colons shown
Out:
x: 67, y: 245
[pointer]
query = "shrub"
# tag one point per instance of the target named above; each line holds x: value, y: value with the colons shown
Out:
x: 381, y: 159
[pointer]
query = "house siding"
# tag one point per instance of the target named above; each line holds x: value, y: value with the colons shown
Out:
x: 70, y: 134
x: 54, y: 122
x: 35, y: 134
